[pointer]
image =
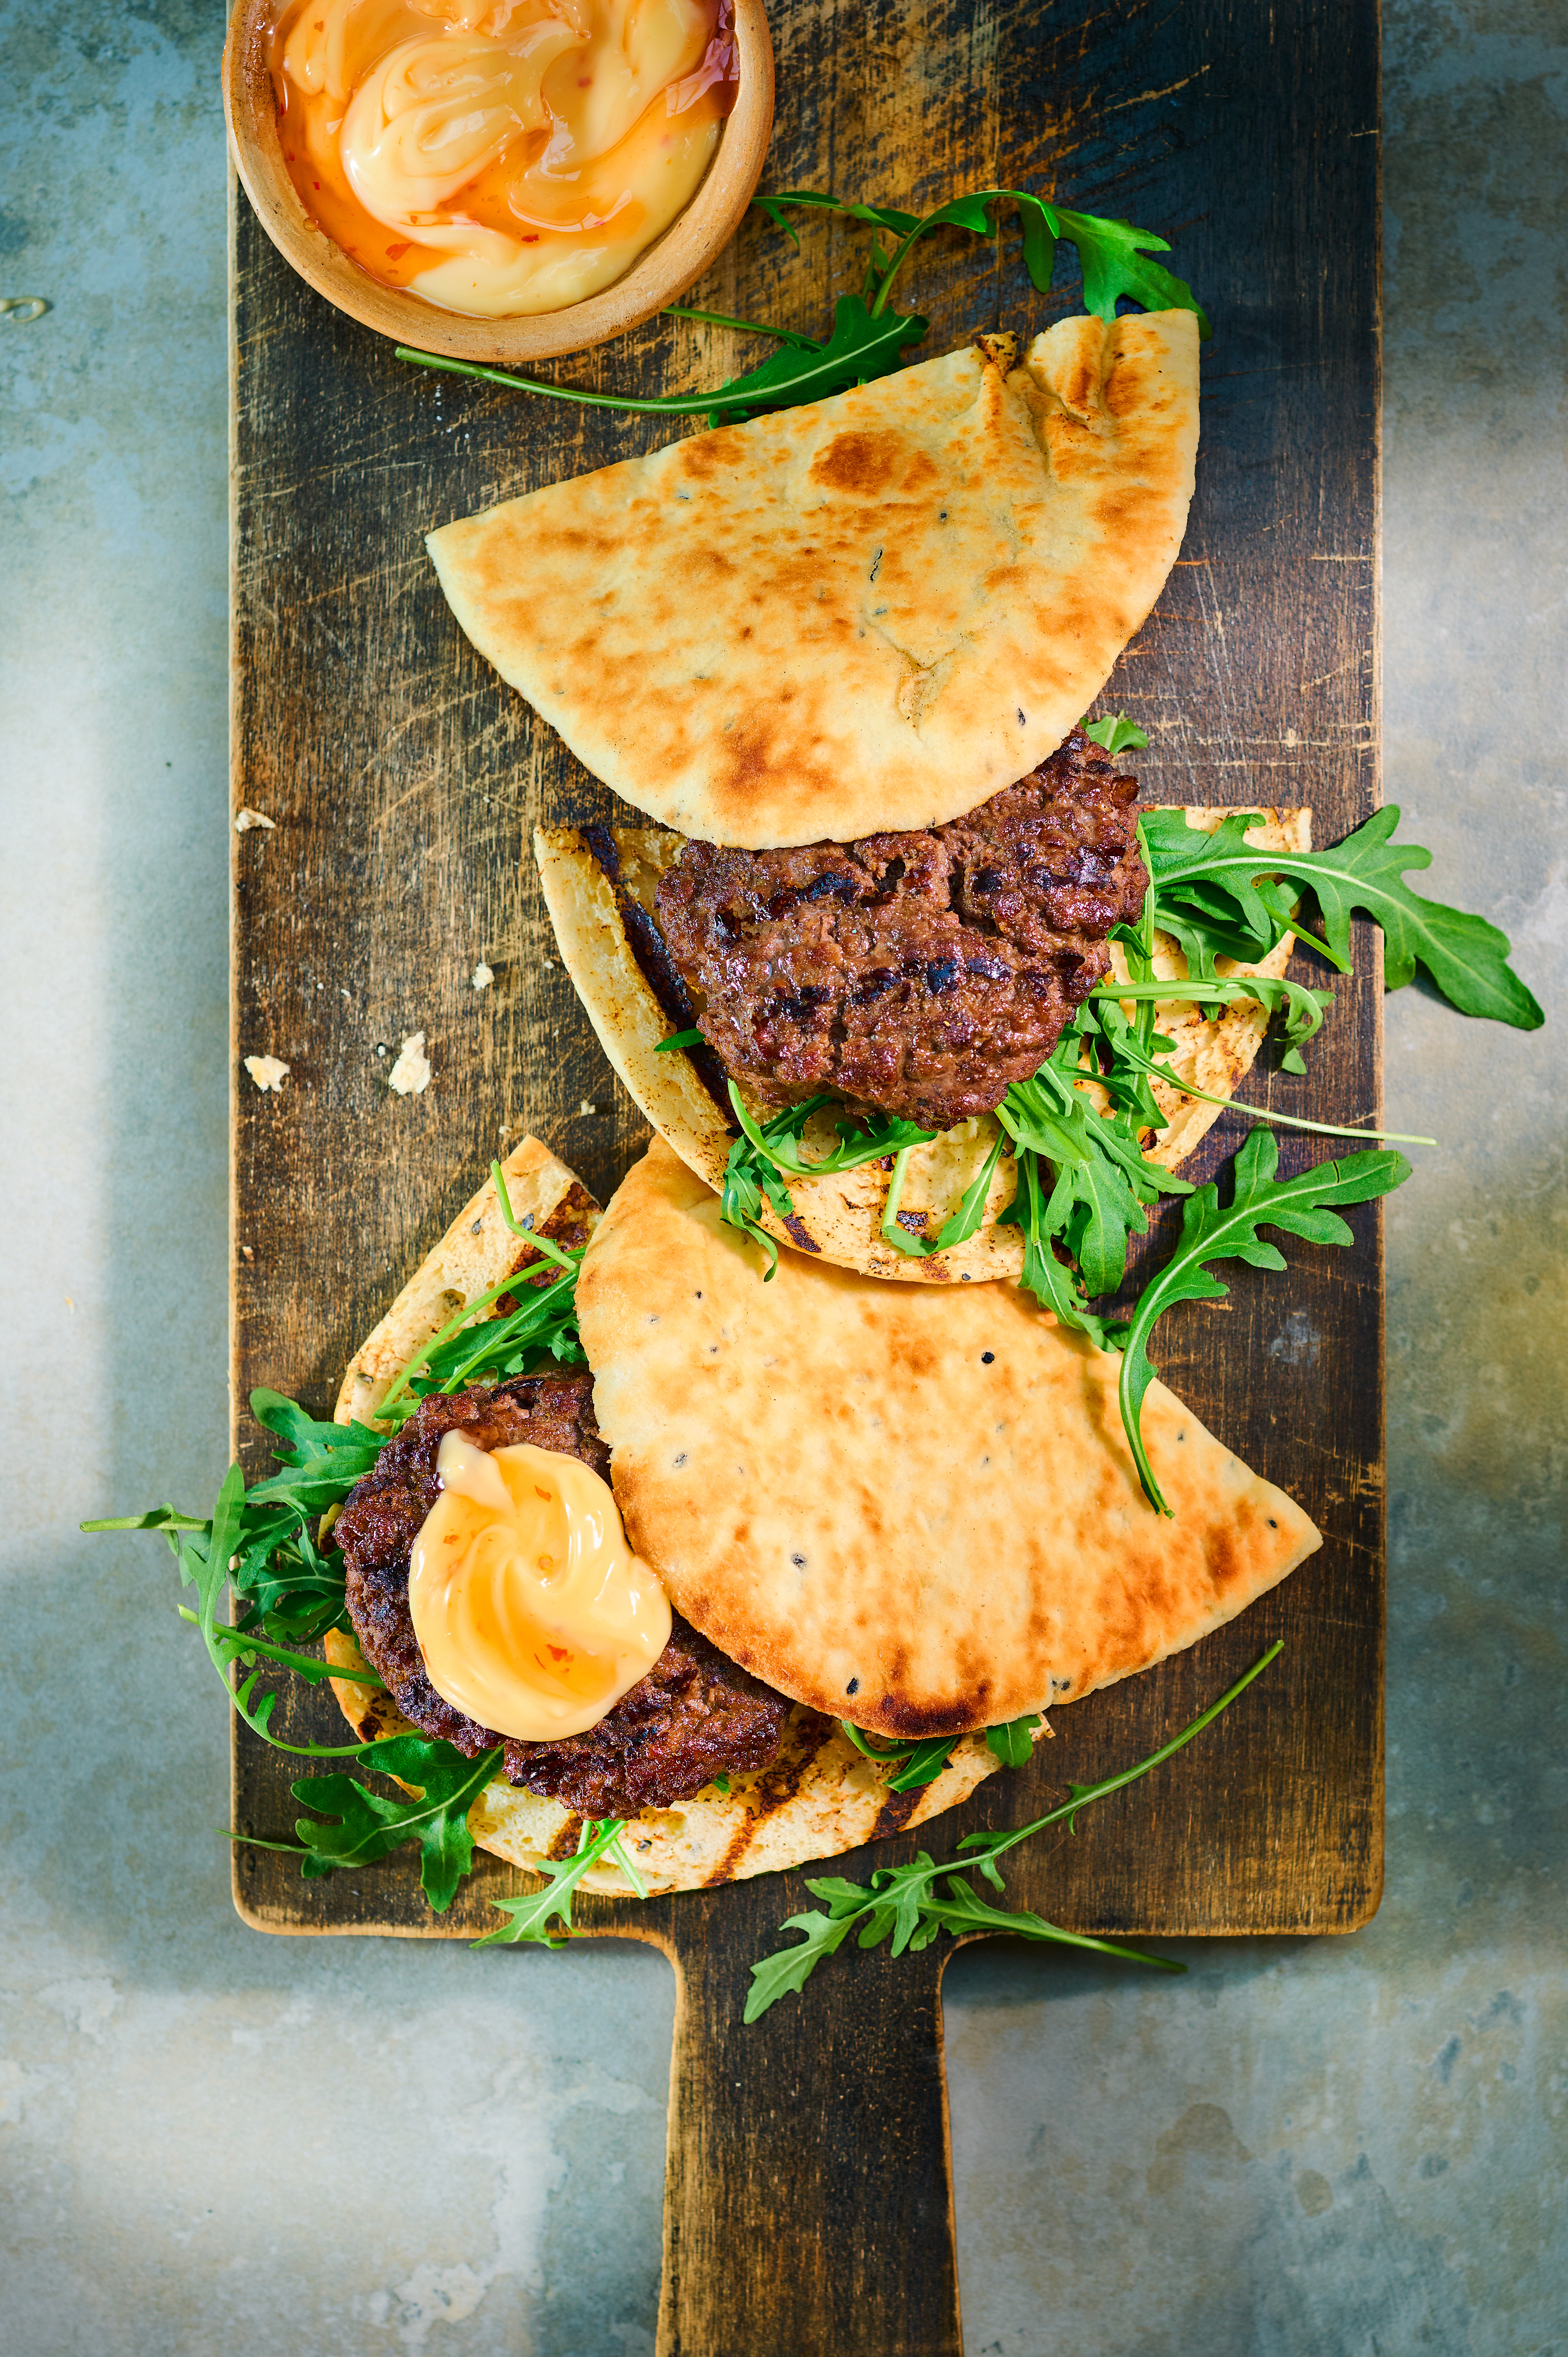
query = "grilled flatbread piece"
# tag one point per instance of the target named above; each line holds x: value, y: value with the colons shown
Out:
x: 841, y: 1217
x: 914, y: 1508
x: 819, y: 1797
x: 862, y: 616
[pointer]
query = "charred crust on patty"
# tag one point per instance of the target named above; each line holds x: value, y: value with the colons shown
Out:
x: 695, y: 1715
x: 918, y: 974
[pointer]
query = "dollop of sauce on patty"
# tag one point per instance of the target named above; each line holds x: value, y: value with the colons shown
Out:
x: 500, y: 157
x: 532, y: 1613
x: 695, y: 1714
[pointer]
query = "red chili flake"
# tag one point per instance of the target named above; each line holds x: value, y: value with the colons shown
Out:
x: 532, y: 239
x: 584, y: 81
x: 396, y: 253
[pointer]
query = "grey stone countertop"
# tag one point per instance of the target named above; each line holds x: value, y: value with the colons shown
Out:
x: 213, y: 2140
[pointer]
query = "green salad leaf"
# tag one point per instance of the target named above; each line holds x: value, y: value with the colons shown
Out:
x: 1221, y: 875
x: 1102, y: 1184
x: 914, y: 1764
x: 1014, y: 1743
x: 868, y: 340
x: 1299, y: 1206
x: 904, y: 1904
x: 544, y: 1916
x: 1116, y: 733
x: 356, y: 1825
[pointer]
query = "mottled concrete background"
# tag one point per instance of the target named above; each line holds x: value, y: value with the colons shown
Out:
x: 217, y: 2141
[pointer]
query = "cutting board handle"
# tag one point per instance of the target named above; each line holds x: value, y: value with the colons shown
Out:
x: 808, y: 2189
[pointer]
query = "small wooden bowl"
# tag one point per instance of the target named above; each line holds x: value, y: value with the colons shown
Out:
x: 691, y: 245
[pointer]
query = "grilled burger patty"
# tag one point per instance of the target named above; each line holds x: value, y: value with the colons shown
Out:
x: 694, y: 1714
x: 919, y: 973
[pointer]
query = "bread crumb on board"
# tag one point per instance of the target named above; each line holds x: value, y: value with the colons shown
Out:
x: 268, y: 1072
x: 249, y: 818
x: 409, y: 1076
x: 483, y: 975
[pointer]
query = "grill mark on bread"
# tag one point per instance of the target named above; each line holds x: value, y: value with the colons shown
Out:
x: 659, y: 969
x: 893, y: 1815
x: 567, y: 1840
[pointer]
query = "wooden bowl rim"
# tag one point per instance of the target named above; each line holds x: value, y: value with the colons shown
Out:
x: 687, y: 249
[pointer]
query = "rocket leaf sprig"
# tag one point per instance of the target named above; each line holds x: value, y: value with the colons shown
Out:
x: 868, y: 340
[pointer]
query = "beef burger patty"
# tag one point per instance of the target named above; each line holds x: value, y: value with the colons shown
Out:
x: 918, y: 973
x: 694, y: 1714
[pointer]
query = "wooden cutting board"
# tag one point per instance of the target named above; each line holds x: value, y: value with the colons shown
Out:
x: 403, y: 780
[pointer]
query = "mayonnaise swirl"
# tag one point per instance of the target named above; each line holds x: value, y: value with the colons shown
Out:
x: 531, y: 1611
x: 499, y: 156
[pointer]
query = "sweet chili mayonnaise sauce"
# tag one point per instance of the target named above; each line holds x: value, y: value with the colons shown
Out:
x: 499, y: 156
x: 531, y: 1611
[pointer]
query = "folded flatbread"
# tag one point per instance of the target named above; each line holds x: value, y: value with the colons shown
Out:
x: 819, y: 1797
x: 913, y: 1506
x: 841, y: 1217
x: 865, y: 615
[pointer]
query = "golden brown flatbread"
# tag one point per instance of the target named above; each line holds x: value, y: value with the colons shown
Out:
x: 819, y: 1797
x: 841, y: 1217
x: 914, y: 1507
x: 867, y: 614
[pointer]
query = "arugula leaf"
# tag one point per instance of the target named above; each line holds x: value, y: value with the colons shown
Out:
x: 1116, y: 733
x: 1298, y: 1206
x: 245, y: 1646
x: 533, y: 1915
x: 1053, y: 1284
x: 862, y: 347
x: 804, y: 200
x: 766, y: 1151
x: 863, y: 1137
x: 323, y: 1461
x: 1014, y: 1743
x: 1102, y: 1182
x: 1466, y: 957
x: 868, y: 341
x: 290, y: 1589
x: 902, y: 1901
x: 1111, y: 254
x: 918, y: 1762
x: 963, y: 1913
x: 361, y: 1825
x: 745, y: 327
x: 291, y: 1592
x: 693, y: 1039
x: 957, y: 1228
x: 748, y: 1178
x: 787, y: 1972
x: 542, y: 1325
x: 1305, y: 1008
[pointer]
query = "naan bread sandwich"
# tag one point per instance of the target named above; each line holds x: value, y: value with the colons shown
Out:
x: 906, y: 1511
x: 841, y: 654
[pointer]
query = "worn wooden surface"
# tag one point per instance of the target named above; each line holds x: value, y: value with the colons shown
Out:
x: 403, y: 778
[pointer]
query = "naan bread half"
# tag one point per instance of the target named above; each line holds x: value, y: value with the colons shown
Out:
x: 868, y: 614
x: 916, y: 1507
x: 818, y: 1798
x: 841, y: 1217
